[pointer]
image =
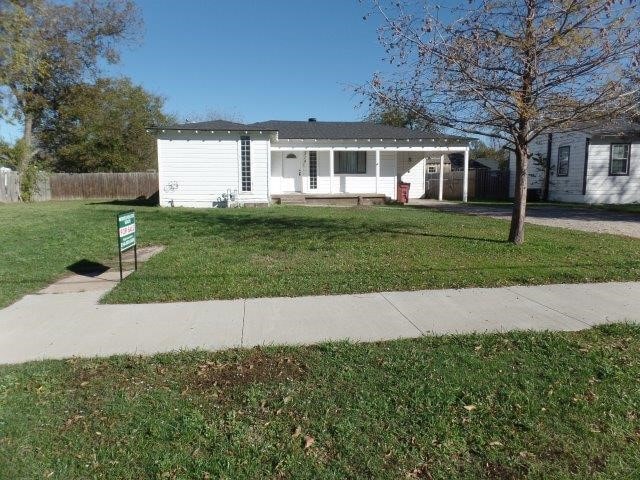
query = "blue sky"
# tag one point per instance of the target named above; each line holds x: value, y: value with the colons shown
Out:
x: 259, y: 59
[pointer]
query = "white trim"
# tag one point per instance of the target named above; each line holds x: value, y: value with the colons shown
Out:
x: 331, y: 159
x: 268, y: 170
x: 302, y: 177
x: 465, y: 180
x: 239, y: 164
x: 378, y: 171
x: 389, y: 149
x: 160, y: 173
x: 441, y: 178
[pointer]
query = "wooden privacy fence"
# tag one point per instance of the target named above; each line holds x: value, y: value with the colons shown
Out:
x: 492, y: 184
x: 78, y: 186
x: 483, y: 184
x: 9, y: 187
x: 452, y: 188
x: 69, y: 186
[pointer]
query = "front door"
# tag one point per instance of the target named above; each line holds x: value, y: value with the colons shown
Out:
x: 292, y: 173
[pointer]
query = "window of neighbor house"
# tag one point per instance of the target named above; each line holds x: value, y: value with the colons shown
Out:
x: 350, y: 162
x: 313, y: 170
x: 563, y: 161
x: 245, y: 164
x: 432, y: 169
x: 619, y: 160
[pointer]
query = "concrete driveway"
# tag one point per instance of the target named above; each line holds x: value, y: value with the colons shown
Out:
x: 577, y: 218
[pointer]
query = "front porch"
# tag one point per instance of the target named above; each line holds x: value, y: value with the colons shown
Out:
x: 338, y: 199
x: 352, y: 175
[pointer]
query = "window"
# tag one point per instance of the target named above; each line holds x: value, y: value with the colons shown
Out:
x: 619, y: 160
x: 563, y: 161
x: 313, y: 170
x: 350, y: 162
x: 245, y: 164
x: 432, y: 169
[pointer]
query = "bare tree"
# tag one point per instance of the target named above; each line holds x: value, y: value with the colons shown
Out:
x: 47, y: 46
x: 510, y: 69
x: 214, y: 114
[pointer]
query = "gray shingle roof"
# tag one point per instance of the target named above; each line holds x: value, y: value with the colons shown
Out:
x: 318, y: 130
x: 344, y: 130
x: 210, y: 125
x: 618, y: 127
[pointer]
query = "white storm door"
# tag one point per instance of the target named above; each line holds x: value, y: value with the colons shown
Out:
x: 291, y: 174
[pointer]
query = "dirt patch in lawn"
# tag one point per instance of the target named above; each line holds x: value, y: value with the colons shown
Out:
x: 258, y: 367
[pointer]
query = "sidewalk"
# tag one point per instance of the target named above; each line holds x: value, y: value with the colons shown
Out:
x: 51, y: 324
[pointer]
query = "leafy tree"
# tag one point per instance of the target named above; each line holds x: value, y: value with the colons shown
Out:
x: 10, y: 155
x: 479, y: 150
x: 101, y: 127
x: 47, y: 46
x: 511, y: 69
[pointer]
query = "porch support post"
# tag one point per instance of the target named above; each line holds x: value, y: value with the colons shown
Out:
x: 377, y: 171
x: 331, y: 170
x: 441, y: 179
x: 465, y: 180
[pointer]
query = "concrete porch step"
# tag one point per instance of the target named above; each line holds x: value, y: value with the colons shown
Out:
x: 291, y: 200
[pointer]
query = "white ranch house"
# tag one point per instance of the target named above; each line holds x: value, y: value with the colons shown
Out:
x: 202, y: 164
x: 586, y: 165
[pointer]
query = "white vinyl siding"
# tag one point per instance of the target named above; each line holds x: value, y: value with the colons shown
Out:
x: 195, y: 170
x: 411, y: 169
x: 568, y: 188
x: 359, y: 182
x: 601, y: 186
x: 562, y: 188
x: 535, y: 177
x: 605, y: 188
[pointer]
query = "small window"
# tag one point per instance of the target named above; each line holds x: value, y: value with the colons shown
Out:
x: 619, y: 160
x: 563, y: 161
x: 432, y: 169
x: 245, y: 164
x: 313, y: 170
x: 350, y: 162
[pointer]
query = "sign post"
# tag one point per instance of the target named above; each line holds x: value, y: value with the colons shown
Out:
x: 127, y: 236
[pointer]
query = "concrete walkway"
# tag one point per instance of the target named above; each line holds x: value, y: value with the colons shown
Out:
x: 66, y: 320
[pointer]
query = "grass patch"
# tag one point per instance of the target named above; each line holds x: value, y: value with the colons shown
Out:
x: 534, y: 405
x: 288, y: 251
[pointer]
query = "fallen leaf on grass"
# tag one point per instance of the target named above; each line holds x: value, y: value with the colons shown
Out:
x: 308, y: 441
x: 296, y: 432
x: 469, y: 408
x: 495, y: 444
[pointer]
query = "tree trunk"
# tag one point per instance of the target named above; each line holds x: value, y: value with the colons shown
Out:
x: 27, y: 138
x: 516, y: 234
x: 522, y: 138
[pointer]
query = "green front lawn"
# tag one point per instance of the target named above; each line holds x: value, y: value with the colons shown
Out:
x: 503, y: 406
x: 299, y: 251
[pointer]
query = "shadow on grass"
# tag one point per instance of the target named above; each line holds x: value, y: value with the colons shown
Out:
x: 151, y: 201
x: 245, y: 224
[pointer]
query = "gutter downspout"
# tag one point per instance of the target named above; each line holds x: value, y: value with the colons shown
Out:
x: 548, y: 167
x: 586, y: 165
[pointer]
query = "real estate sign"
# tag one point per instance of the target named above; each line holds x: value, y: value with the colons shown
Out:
x: 126, y: 230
